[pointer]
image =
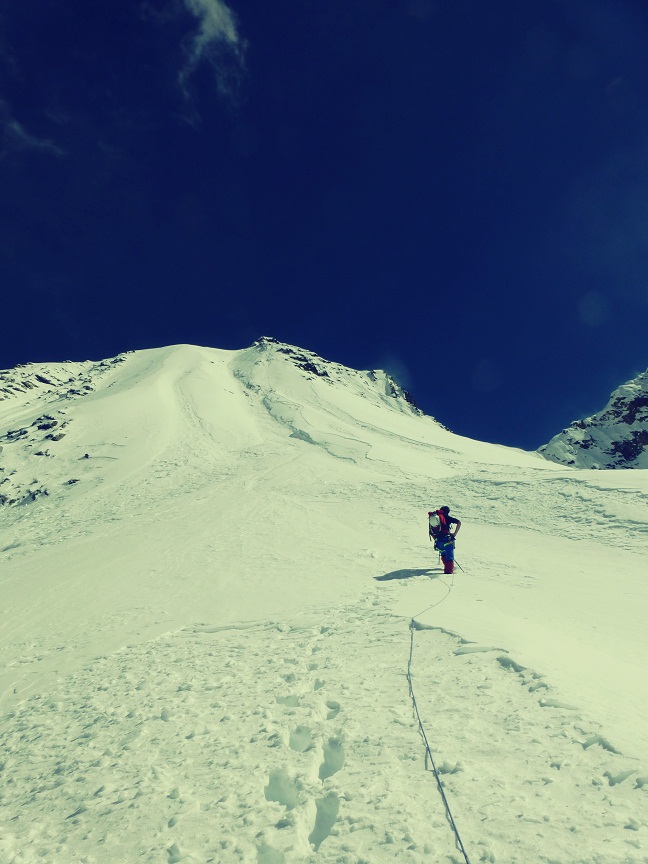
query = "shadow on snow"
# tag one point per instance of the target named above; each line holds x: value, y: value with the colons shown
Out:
x: 406, y: 574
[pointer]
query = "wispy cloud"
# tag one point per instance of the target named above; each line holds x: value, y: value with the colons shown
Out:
x: 217, y: 42
x: 14, y: 137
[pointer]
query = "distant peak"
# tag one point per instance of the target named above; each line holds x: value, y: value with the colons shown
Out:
x: 616, y: 437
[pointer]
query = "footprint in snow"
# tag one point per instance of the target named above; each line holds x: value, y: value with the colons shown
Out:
x: 327, y: 813
x: 301, y: 739
x: 333, y: 758
x: 267, y: 855
x: 333, y: 709
x: 289, y: 701
x: 282, y: 789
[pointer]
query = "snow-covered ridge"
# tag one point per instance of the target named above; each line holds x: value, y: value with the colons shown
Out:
x: 616, y: 437
x: 35, y: 417
x: 69, y: 380
x: 313, y: 366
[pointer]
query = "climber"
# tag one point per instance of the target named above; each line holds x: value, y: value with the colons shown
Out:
x: 441, y: 523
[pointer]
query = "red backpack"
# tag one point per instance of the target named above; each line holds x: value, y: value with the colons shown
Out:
x: 438, y: 524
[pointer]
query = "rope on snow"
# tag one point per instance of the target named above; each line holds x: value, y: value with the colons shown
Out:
x: 428, y: 749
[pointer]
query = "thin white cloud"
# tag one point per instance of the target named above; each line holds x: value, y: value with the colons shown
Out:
x: 217, y: 23
x: 15, y: 137
x: 217, y: 42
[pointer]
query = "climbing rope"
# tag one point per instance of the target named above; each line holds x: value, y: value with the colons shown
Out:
x: 428, y: 749
x: 439, y: 602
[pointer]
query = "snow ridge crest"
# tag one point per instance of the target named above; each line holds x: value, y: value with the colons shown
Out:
x: 313, y: 366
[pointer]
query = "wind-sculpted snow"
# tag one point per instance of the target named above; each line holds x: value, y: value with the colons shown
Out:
x: 205, y: 624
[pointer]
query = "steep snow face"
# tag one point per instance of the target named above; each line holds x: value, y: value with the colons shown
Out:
x: 616, y: 437
x: 363, y: 417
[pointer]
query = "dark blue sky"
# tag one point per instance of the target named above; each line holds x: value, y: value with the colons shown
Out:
x: 451, y: 189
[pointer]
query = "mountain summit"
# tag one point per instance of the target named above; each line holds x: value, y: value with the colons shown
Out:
x: 51, y: 413
x: 616, y: 437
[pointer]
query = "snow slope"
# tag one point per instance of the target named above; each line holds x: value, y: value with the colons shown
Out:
x: 616, y: 437
x: 207, y: 586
